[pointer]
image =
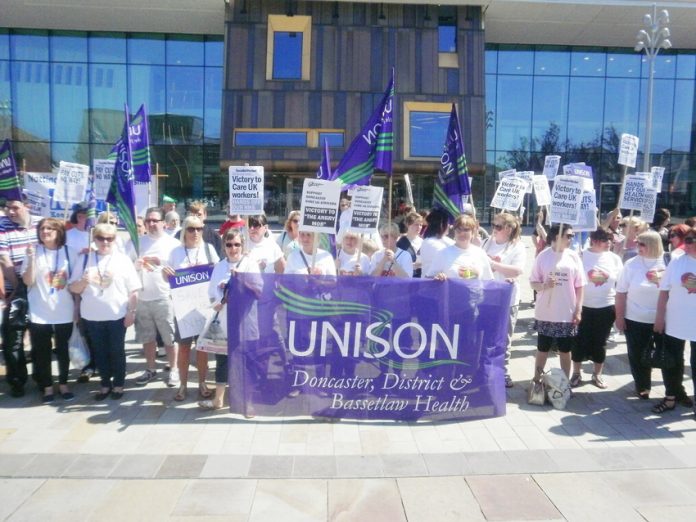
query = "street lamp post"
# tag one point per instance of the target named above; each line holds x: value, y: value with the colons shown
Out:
x: 654, y: 37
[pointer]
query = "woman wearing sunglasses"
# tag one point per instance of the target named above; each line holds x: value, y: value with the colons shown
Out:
x: 675, y: 317
x: 193, y: 251
x: 289, y: 239
x: 262, y: 248
x: 108, y: 284
x: 676, y: 240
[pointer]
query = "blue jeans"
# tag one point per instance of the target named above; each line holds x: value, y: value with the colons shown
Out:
x: 108, y: 338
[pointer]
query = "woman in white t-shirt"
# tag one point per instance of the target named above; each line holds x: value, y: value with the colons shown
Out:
x: 391, y: 260
x: 262, y: 247
x: 288, y: 239
x: 507, y: 257
x: 301, y: 261
x: 602, y: 268
x: 349, y: 261
x: 675, y: 316
x: 192, y: 252
x: 411, y: 241
x: 559, y: 280
x: 108, y: 284
x: 48, y: 271
x: 637, y: 291
x: 435, y: 240
x: 463, y: 260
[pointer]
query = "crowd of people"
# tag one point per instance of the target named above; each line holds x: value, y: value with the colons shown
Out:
x: 627, y: 276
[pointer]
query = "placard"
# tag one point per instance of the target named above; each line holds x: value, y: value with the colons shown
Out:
x: 103, y: 170
x: 647, y: 213
x: 366, y: 205
x: 566, y: 199
x: 541, y: 190
x: 527, y: 175
x: 582, y: 171
x: 506, y: 174
x: 190, y: 298
x: 633, y: 192
x: 39, y: 188
x: 246, y: 190
x: 587, y: 221
x: 319, y: 209
x: 628, y: 150
x: 510, y: 194
x: 657, y: 175
x: 551, y: 164
x: 71, y: 183
x: 145, y: 195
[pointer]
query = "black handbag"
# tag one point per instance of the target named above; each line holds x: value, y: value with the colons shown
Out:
x: 658, y: 355
x: 19, y: 310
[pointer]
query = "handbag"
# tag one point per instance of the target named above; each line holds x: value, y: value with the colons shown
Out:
x: 658, y: 355
x: 536, y: 394
x: 77, y: 349
x: 213, y: 338
x: 19, y: 310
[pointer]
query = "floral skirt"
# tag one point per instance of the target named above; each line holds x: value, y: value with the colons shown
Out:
x: 551, y: 329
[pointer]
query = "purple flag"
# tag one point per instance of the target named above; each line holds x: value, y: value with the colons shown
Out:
x: 324, y: 171
x: 373, y: 147
x: 122, y: 192
x: 139, y: 139
x: 452, y: 184
x: 9, y: 181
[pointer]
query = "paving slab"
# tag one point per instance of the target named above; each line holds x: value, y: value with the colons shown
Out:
x: 444, y: 499
x: 231, y: 499
x: 289, y: 501
x: 14, y: 492
x: 365, y: 499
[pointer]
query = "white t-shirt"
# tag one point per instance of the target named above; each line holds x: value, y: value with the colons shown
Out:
x: 557, y: 304
x: 112, y: 278
x: 50, y: 302
x: 429, y: 251
x: 401, y: 258
x: 296, y: 263
x: 680, y: 281
x: 182, y: 257
x: 286, y: 243
x: 465, y: 263
x: 221, y: 274
x: 507, y: 253
x: 154, y: 285
x: 347, y: 263
x: 267, y: 251
x: 640, y: 281
x: 77, y: 239
x: 602, y: 269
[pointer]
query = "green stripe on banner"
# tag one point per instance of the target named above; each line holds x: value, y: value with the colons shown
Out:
x: 9, y: 183
x: 446, y: 202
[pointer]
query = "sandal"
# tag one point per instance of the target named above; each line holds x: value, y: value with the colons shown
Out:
x: 181, y: 394
x: 663, y: 405
x: 575, y: 380
x: 598, y: 382
x: 208, y: 405
x: 204, y: 392
x: 643, y: 395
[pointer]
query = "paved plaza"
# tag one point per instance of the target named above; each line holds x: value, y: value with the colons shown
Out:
x: 606, y: 457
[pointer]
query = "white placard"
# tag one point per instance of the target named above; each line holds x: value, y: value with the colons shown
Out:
x: 189, y: 291
x: 633, y: 192
x: 657, y: 175
x: 587, y: 221
x: 39, y: 187
x: 527, y: 175
x: 566, y: 199
x: 551, y: 164
x: 71, y: 183
x: 365, y: 205
x: 320, y: 205
x: 145, y: 195
x: 541, y: 190
x: 510, y: 194
x: 582, y: 171
x: 103, y: 170
x: 246, y: 190
x: 628, y: 150
x: 506, y: 174
x: 647, y: 213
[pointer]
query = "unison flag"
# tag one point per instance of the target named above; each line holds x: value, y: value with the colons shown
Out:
x: 139, y: 139
x: 9, y: 181
x: 121, y: 192
x: 324, y: 171
x: 373, y: 147
x: 452, y: 185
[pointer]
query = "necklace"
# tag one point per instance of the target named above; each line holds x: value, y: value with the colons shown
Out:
x: 52, y: 274
x: 104, y: 277
x: 188, y: 259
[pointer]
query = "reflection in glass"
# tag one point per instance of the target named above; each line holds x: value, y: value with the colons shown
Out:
x: 491, y: 60
x: 107, y: 47
x: 31, y: 103
x: 447, y: 39
x: 683, y: 123
x: 515, y: 59
x: 147, y: 85
x: 665, y: 65
x: 213, y: 103
x: 662, y: 115
x: 32, y: 156
x: 428, y: 131
x: 551, y: 62
x: 29, y: 45
x: 68, y: 46
x: 146, y: 49
x: 107, y: 90
x: 514, y: 113
x: 550, y: 107
x: 184, y: 105
x: 69, y: 100
x: 587, y: 62
x: 623, y: 64
x: 287, y: 57
x: 5, y: 100
x: 491, y: 83
x: 270, y: 139
x: 585, y: 113
x: 686, y: 66
x: 214, y: 52
x: 184, y: 50
x: 72, y: 152
x: 4, y: 45
x: 334, y: 139
x: 622, y: 104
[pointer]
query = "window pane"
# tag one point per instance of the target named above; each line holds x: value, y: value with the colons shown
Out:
x: 270, y: 139
x: 184, y: 166
x: 185, y: 50
x: 69, y: 102
x: 4, y: 45
x: 184, y: 104
x: 5, y: 100
x: 29, y: 45
x: 491, y: 83
x: 551, y: 62
x: 663, y: 103
x: 72, y: 152
x: 491, y: 60
x: 69, y: 47
x: 623, y: 64
x: 686, y: 66
x: 146, y: 48
x: 107, y: 91
x: 287, y: 56
x: 213, y: 104
x: 665, y: 65
x: 34, y: 156
x: 335, y: 139
x: 31, y: 103
x: 428, y: 132
x: 515, y: 59
x: 622, y: 105
x: 214, y: 52
x: 447, y: 39
x: 107, y: 48
x: 588, y: 62
x: 147, y: 85
x: 550, y: 111
x: 585, y: 111
x: 514, y: 112
x: 684, y: 116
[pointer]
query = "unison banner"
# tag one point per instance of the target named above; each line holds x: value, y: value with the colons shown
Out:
x: 367, y: 348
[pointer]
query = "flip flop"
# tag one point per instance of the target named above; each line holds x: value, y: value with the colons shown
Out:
x: 180, y: 395
x: 204, y: 392
x: 208, y: 405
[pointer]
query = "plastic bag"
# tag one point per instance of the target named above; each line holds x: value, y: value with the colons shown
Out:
x: 557, y: 388
x: 77, y: 349
x: 213, y: 338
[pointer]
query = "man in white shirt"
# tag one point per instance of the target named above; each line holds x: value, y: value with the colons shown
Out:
x: 155, y: 309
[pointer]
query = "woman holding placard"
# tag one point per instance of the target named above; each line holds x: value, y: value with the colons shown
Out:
x: 349, y: 261
x: 193, y: 251
x: 303, y: 261
x: 559, y: 280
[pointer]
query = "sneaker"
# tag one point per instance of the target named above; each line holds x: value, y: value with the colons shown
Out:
x: 173, y: 379
x: 145, y: 377
x: 508, y: 381
x: 575, y: 380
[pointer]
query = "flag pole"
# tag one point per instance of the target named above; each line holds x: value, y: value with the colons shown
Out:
x: 315, y: 246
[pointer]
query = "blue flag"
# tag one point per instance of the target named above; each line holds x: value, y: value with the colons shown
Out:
x: 10, y: 188
x: 373, y: 147
x: 324, y: 171
x: 452, y: 184
x: 139, y: 139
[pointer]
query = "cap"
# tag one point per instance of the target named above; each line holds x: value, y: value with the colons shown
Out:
x: 82, y: 206
x: 167, y: 199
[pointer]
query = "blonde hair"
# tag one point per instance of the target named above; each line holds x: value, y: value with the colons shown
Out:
x: 653, y: 244
x: 191, y: 221
x: 292, y: 214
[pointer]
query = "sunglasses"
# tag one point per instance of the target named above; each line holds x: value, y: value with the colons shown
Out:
x: 690, y: 240
x: 640, y: 244
x: 498, y: 227
x: 255, y: 225
x: 294, y: 221
x: 230, y: 245
x: 104, y: 239
x: 48, y: 229
x: 462, y: 229
x: 191, y: 230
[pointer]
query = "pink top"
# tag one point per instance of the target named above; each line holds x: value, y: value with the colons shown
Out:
x: 557, y: 304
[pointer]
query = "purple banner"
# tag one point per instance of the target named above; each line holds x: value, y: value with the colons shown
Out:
x: 324, y: 171
x: 367, y: 348
x: 452, y: 184
x: 9, y: 181
x: 192, y: 275
x: 139, y: 139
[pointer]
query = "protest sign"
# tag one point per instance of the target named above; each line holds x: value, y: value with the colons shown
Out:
x: 103, y: 170
x: 527, y: 175
x: 319, y: 208
x: 510, y: 194
x: 365, y: 205
x: 551, y: 164
x: 566, y: 199
x: 145, y: 195
x: 71, y: 183
x: 541, y: 190
x: 246, y: 190
x: 633, y: 193
x: 587, y: 221
x: 190, y: 297
x: 39, y: 188
x: 582, y: 171
x: 647, y: 212
x: 506, y: 174
x: 657, y: 175
x: 628, y: 150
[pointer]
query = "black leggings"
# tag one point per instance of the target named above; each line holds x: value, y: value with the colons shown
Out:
x: 41, y: 352
x: 593, y: 332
